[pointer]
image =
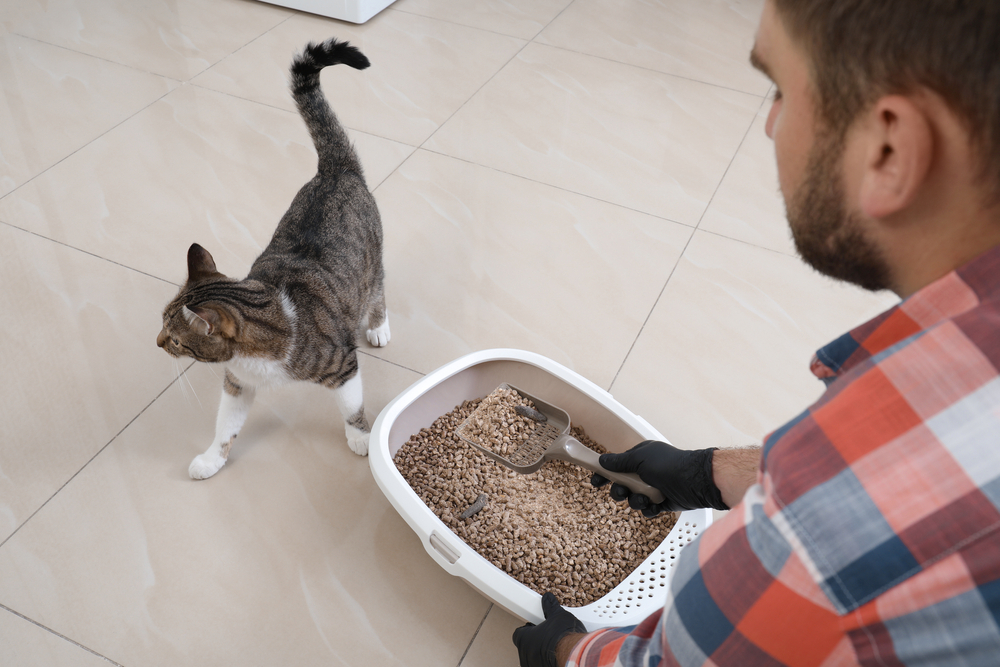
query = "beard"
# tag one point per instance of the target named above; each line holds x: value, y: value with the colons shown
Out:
x: 827, y: 236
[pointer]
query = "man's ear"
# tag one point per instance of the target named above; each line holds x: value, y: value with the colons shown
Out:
x: 200, y: 264
x: 210, y: 319
x: 898, y: 156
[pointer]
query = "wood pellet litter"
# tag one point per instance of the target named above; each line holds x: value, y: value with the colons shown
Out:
x: 550, y: 530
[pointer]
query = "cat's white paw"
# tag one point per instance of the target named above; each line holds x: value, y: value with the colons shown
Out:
x: 206, y: 465
x: 357, y: 440
x: 379, y: 336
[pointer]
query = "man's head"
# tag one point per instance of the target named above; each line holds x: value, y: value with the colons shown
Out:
x: 876, y: 102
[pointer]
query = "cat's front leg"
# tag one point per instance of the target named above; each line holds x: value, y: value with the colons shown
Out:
x: 233, y: 409
x: 350, y: 400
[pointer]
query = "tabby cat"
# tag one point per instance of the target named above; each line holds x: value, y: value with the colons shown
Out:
x: 297, y: 314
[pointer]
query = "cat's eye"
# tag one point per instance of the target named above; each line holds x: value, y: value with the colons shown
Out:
x: 174, y: 340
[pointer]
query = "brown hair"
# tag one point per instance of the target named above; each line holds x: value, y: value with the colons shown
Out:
x: 860, y: 50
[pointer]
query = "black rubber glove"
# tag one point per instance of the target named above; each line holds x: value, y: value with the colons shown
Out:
x: 536, y: 644
x: 684, y: 477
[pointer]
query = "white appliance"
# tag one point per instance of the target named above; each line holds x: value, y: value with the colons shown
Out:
x: 355, y: 11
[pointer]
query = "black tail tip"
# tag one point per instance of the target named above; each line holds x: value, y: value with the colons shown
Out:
x: 330, y: 52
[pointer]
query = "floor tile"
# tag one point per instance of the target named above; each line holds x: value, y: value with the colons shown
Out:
x: 422, y: 70
x: 748, y: 205
x: 476, y: 259
x: 38, y: 82
x: 706, y: 41
x: 644, y: 140
x: 493, y: 645
x: 724, y: 357
x: 177, y: 39
x: 79, y: 361
x: 196, y: 166
x: 289, y: 555
x: 517, y: 18
x: 24, y: 643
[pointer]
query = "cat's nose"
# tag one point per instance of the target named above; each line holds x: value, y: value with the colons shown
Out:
x: 161, y: 340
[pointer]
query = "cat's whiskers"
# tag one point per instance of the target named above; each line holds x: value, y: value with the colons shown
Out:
x: 186, y: 384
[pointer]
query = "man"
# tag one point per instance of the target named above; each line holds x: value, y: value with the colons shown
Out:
x: 869, y: 526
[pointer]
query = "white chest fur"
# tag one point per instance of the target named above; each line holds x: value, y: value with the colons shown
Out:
x: 258, y: 372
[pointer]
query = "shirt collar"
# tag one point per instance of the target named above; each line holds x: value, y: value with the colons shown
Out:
x: 945, y: 298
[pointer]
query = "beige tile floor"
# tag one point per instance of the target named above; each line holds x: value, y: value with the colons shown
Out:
x: 587, y: 179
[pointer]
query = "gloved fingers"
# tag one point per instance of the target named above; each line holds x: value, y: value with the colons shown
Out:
x: 638, y: 501
x: 597, y: 481
x: 619, y: 492
x: 654, y: 510
x: 550, y: 604
x: 624, y: 462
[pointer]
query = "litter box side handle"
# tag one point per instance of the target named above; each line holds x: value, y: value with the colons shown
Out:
x: 568, y: 448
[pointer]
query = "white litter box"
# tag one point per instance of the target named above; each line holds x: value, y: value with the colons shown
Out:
x: 605, y: 420
x: 355, y: 11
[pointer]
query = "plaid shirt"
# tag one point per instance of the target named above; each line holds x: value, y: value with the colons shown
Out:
x: 872, y: 535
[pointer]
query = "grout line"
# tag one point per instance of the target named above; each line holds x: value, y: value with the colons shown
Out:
x: 89, y: 143
x: 655, y: 71
x: 473, y: 95
x: 393, y: 363
x: 532, y: 40
x: 650, y: 313
x: 730, y: 165
x: 686, y: 245
x: 87, y: 252
x: 557, y: 187
x: 291, y: 112
x: 493, y: 76
x: 181, y: 82
x: 59, y: 634
x: 748, y: 243
x: 474, y: 635
x: 238, y: 49
x: 98, y: 453
x: 96, y: 57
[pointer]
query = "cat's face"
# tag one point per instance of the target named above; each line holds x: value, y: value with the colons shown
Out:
x: 194, y: 326
x: 186, y: 333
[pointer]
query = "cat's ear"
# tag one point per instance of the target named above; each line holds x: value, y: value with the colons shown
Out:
x: 200, y: 264
x: 209, y: 319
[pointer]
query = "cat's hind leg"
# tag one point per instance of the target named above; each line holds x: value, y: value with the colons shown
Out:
x: 233, y: 409
x: 350, y: 400
x: 377, y: 321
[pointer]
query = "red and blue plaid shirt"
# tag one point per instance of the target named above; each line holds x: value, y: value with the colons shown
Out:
x: 872, y: 535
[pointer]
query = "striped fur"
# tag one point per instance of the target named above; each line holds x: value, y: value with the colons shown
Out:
x: 297, y: 314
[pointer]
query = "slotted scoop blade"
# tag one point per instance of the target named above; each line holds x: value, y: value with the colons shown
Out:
x: 546, y: 437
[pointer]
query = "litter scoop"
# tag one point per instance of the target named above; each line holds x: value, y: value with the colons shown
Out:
x: 549, y: 440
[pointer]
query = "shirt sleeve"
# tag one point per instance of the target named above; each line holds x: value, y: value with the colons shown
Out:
x: 739, y: 596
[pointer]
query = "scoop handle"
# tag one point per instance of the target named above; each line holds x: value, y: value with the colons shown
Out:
x: 568, y: 448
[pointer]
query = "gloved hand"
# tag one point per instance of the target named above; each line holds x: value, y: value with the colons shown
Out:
x: 536, y: 644
x: 684, y: 477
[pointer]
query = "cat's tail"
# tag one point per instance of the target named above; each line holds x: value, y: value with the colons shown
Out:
x: 328, y: 135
